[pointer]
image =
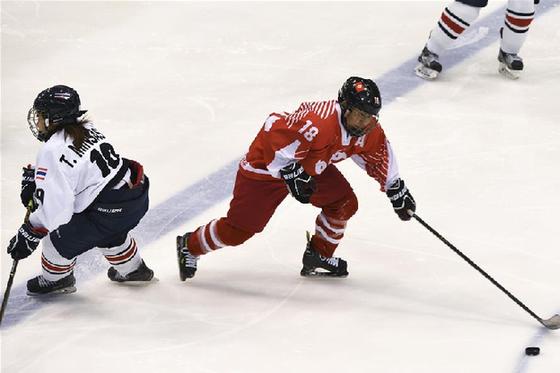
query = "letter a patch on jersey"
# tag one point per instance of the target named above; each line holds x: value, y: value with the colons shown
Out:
x: 41, y: 173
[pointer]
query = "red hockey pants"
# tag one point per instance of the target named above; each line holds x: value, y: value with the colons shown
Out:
x: 254, y: 203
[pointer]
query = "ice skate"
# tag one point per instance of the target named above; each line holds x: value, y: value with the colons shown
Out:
x: 316, y: 265
x: 141, y: 275
x: 429, y: 67
x: 187, y: 261
x: 511, y: 65
x: 41, y: 286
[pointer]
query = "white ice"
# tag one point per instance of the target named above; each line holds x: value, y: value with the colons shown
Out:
x: 183, y: 87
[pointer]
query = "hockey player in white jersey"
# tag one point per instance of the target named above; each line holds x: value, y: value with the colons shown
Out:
x: 83, y: 195
x: 458, y: 16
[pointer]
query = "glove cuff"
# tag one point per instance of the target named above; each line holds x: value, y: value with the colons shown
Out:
x: 31, y: 233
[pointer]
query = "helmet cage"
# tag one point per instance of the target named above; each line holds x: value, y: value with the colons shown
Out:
x: 359, y: 132
x: 33, y: 121
x: 362, y: 94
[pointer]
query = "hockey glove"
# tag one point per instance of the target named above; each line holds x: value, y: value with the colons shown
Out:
x: 300, y: 184
x: 401, y: 199
x: 25, y: 241
x: 27, y: 185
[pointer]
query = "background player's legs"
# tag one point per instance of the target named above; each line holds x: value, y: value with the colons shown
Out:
x: 518, y: 17
x: 455, y: 19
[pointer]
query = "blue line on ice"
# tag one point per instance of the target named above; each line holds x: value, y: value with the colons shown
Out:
x: 217, y: 187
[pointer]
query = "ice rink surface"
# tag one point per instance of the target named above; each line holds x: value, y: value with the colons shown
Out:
x: 184, y: 87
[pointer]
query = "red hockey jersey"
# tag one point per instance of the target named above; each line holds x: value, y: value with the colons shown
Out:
x: 314, y: 137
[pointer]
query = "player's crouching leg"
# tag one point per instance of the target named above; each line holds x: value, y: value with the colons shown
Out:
x: 126, y: 263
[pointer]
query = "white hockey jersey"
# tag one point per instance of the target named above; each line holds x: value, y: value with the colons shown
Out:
x: 68, y: 179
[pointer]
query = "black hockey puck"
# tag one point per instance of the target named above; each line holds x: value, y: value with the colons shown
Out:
x: 532, y: 351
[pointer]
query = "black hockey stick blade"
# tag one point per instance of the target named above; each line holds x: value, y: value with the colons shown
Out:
x: 553, y: 323
x: 8, y: 289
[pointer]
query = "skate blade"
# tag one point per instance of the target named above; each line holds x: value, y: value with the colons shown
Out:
x: 508, y: 73
x: 425, y: 72
x: 68, y: 290
x: 136, y: 283
x: 186, y: 277
x: 306, y: 272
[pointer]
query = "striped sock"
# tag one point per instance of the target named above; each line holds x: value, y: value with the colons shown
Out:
x: 455, y: 19
x: 518, y: 18
x: 124, y: 258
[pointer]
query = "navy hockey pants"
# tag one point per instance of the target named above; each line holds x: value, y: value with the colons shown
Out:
x: 105, y: 223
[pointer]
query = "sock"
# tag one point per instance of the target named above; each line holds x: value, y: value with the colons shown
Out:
x: 54, y: 266
x: 519, y: 15
x: 455, y: 19
x: 125, y: 257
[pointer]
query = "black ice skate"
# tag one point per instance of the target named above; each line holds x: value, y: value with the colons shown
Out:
x: 187, y: 261
x: 429, y: 66
x: 41, y: 286
x: 316, y: 265
x: 510, y: 64
x: 141, y: 275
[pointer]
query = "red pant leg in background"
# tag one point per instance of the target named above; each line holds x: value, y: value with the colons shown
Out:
x: 254, y: 203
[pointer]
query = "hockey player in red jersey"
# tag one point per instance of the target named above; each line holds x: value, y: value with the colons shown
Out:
x: 294, y: 153
x: 458, y: 16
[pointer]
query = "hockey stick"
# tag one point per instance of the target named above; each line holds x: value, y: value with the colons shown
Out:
x: 551, y: 323
x: 12, y: 275
x: 8, y: 289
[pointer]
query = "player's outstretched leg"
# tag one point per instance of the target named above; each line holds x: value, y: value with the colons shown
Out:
x: 315, y: 265
x: 517, y: 21
x: 187, y: 261
x: 41, y: 286
x: 429, y: 66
